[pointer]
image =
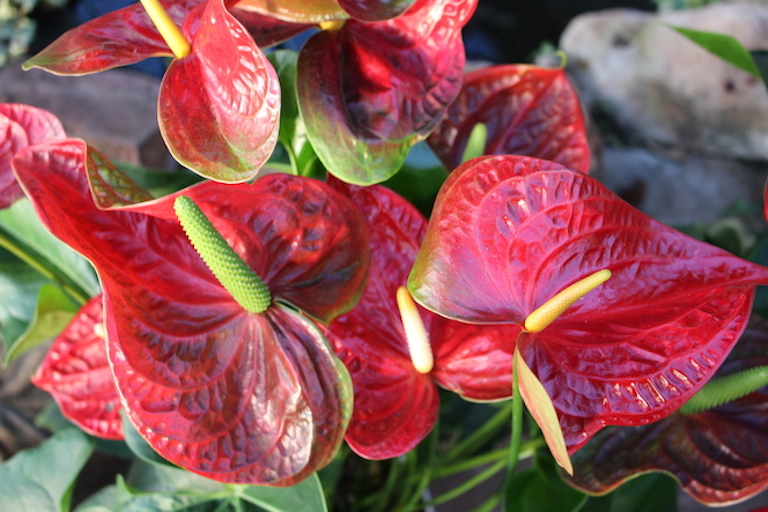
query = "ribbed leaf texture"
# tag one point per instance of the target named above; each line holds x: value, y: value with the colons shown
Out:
x: 509, y: 232
x: 76, y: 372
x: 527, y: 110
x: 21, y: 126
x: 719, y: 456
x: 238, y: 397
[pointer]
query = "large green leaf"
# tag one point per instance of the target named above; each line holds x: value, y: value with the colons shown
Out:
x: 140, y: 447
x: 54, y: 311
x: 293, y: 134
x: 539, y: 489
x: 21, y: 222
x: 22, y: 283
x: 724, y: 46
x: 652, y: 492
x: 307, y: 495
x: 42, y: 478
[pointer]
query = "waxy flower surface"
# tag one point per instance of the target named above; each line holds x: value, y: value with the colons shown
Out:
x: 21, y: 126
x: 76, y: 372
x: 508, y: 233
x: 526, y: 109
x: 318, y: 11
x: 719, y: 455
x: 395, y: 404
x: 218, y: 106
x: 369, y: 91
x: 232, y: 395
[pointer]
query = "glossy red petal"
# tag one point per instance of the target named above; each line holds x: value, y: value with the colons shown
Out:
x: 111, y: 188
x: 527, y: 110
x: 265, y: 30
x: 508, y: 233
x: 115, y: 39
x: 296, y: 11
x: 719, y: 456
x: 234, y: 396
x: 375, y: 10
x: 21, y: 126
x: 369, y: 91
x: 474, y: 361
x: 399, y: 76
x: 12, y: 139
x: 76, y: 372
x: 396, y: 406
x: 347, y: 155
x: 219, y: 107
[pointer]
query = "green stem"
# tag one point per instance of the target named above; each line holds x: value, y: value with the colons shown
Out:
x: 470, y: 484
x: 32, y: 259
x: 527, y: 449
x: 479, y: 436
x: 726, y: 389
x: 233, y: 273
x: 517, y: 428
x: 428, y: 472
x: 489, y: 504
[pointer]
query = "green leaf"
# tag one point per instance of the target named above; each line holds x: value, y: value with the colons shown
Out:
x: 476, y: 142
x: 760, y: 57
x: 724, y: 46
x: 293, y: 135
x: 104, y: 500
x: 651, y: 492
x: 539, y: 489
x: 23, y: 283
x: 420, y: 178
x: 42, y: 478
x: 150, y: 477
x: 139, y: 446
x: 307, y: 495
x: 54, y: 311
x: 21, y: 221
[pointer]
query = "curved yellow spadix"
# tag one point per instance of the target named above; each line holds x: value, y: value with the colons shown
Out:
x: 556, y: 306
x: 415, y: 332
x: 167, y: 28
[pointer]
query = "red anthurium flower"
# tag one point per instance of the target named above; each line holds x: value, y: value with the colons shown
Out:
x: 719, y: 456
x: 21, y: 126
x: 76, y: 372
x: 318, y: 11
x: 507, y: 233
x: 369, y: 91
x: 218, y: 106
x: 526, y: 109
x: 232, y: 395
x: 395, y: 404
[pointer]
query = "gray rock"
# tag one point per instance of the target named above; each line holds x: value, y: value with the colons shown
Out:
x: 114, y: 111
x: 680, y: 191
x: 668, y: 90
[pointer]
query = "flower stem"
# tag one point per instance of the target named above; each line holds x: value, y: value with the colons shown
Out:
x: 517, y: 428
x: 470, y: 484
x: 167, y: 28
x: 233, y: 273
x: 479, y: 436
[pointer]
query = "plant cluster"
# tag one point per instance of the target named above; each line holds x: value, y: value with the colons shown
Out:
x: 248, y: 332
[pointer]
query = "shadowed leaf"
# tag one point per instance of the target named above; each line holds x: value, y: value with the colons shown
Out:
x: 527, y: 110
x: 719, y: 456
